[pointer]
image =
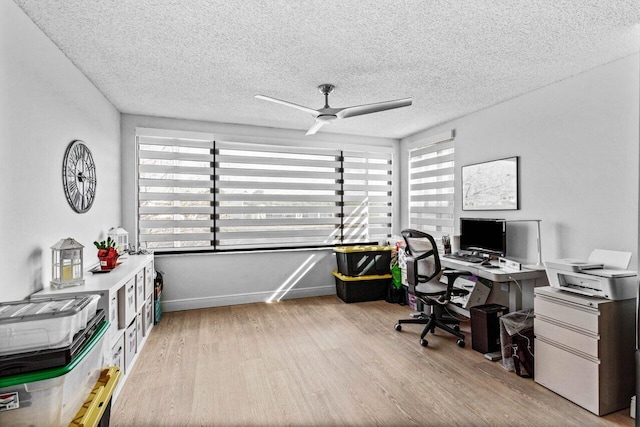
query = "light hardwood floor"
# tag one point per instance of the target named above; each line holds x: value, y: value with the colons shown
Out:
x: 319, y: 361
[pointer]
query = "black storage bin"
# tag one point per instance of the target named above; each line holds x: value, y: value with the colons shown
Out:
x: 362, y: 288
x: 21, y: 363
x: 485, y: 327
x: 363, y: 260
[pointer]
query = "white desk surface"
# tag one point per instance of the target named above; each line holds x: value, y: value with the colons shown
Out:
x: 494, y: 274
x: 520, y: 294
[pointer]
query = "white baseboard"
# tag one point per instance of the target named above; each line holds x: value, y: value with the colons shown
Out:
x: 248, y: 298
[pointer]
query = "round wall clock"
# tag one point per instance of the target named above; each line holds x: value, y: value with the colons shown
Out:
x: 79, y: 176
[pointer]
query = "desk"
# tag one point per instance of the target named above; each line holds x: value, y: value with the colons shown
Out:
x: 528, y: 279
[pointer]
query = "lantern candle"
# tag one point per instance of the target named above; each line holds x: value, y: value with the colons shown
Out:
x: 66, y: 264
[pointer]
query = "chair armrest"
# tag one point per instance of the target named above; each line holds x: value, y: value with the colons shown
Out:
x: 451, y: 276
x: 449, y: 273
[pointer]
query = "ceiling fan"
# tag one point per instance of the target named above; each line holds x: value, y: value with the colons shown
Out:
x: 327, y: 114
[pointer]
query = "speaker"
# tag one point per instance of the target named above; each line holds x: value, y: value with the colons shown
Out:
x: 485, y: 327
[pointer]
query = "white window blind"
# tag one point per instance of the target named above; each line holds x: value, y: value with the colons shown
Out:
x: 367, y: 196
x: 175, y: 192
x: 431, y: 189
x: 224, y: 195
x: 277, y: 196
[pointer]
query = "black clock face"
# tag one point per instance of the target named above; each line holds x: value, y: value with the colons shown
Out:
x: 79, y: 176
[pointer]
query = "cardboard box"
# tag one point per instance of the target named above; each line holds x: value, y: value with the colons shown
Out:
x: 479, y: 290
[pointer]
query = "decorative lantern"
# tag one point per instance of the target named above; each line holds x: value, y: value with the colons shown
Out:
x: 121, y: 237
x: 66, y: 264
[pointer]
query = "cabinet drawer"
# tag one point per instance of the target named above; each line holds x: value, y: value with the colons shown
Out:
x: 580, y: 341
x: 578, y: 317
x: 567, y: 374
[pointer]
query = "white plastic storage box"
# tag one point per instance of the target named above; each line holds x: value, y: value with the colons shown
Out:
x: 127, y: 303
x: 113, y: 314
x: 148, y: 279
x: 51, y: 397
x: 41, y: 324
x: 117, y: 353
x: 140, y: 289
x: 148, y: 315
x: 139, y: 329
x: 130, y: 342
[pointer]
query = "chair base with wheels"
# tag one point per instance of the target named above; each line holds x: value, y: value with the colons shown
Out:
x: 432, y: 321
x: 425, y: 285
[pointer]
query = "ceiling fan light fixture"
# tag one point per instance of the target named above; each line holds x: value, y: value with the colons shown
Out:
x: 327, y: 118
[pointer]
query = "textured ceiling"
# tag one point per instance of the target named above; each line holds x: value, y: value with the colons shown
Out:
x: 206, y: 59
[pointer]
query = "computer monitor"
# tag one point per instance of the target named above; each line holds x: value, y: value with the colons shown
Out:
x: 486, y: 236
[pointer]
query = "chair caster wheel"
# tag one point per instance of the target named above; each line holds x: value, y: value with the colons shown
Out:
x: 433, y: 331
x: 460, y: 343
x: 424, y: 343
x: 456, y: 328
x: 398, y: 327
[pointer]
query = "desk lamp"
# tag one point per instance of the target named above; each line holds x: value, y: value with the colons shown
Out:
x: 538, y: 265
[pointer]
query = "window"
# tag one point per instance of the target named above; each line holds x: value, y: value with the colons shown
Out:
x: 431, y: 189
x: 201, y: 194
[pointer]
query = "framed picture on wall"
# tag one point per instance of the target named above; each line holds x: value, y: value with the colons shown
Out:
x: 490, y: 186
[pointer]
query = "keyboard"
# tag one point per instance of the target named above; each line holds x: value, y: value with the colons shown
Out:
x: 466, y: 258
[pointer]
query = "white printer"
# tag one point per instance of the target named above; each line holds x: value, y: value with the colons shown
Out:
x: 603, y: 275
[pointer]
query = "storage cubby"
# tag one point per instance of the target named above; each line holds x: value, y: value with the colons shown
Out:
x: 124, y: 297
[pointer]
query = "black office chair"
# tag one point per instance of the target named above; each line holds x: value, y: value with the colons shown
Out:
x: 423, y: 281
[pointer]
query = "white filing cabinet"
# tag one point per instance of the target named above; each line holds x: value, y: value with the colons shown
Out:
x: 123, y: 296
x: 584, y: 348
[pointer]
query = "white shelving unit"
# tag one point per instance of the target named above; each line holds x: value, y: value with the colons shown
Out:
x: 126, y: 296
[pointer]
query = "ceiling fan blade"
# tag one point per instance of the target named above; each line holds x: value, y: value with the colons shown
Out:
x: 359, y: 110
x: 289, y: 104
x: 316, y: 127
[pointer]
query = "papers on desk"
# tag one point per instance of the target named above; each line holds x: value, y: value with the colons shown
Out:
x: 611, y: 259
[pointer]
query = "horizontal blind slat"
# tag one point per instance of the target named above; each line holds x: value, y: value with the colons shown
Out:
x: 279, y: 185
x: 432, y: 197
x: 177, y: 224
x: 158, y: 196
x: 166, y: 155
x: 432, y: 209
x: 432, y: 148
x: 292, y: 222
x: 176, y: 237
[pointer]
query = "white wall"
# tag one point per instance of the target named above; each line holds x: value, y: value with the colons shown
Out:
x: 578, y: 145
x: 208, y: 280
x: 45, y: 103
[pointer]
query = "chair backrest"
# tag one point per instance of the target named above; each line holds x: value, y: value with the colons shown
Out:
x: 423, y: 261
